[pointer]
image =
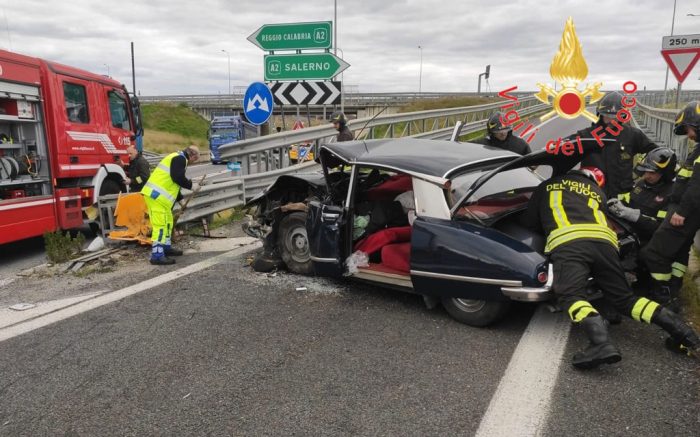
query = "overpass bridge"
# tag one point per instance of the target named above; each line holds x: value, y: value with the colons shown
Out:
x: 355, y: 104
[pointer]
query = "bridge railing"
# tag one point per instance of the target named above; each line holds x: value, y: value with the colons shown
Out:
x: 657, y: 122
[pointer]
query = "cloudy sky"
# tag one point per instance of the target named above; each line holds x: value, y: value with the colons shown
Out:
x: 178, y: 43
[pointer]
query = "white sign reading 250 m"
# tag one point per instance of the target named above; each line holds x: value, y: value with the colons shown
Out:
x: 681, y: 41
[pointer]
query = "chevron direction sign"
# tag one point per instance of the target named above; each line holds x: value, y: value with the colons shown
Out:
x: 306, y: 93
x: 303, y: 66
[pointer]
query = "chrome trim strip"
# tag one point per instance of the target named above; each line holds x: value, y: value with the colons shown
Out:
x: 526, y: 294
x: 503, y: 282
x: 532, y: 294
x: 324, y: 260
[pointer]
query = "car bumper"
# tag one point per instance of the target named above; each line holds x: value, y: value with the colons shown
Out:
x: 532, y: 294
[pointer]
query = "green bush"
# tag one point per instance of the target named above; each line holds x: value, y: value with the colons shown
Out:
x: 61, y: 247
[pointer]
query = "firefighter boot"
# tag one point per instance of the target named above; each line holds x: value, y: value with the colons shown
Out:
x: 600, y: 351
x: 683, y: 338
x: 660, y: 292
x: 171, y: 251
x: 158, y: 257
x: 675, y: 286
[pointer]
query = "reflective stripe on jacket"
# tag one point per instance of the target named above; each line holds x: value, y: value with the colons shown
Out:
x: 160, y: 183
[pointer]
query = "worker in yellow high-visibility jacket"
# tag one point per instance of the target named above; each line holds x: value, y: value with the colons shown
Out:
x: 160, y: 192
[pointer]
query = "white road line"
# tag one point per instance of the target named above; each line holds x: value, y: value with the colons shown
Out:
x: 520, y: 406
x: 104, y: 299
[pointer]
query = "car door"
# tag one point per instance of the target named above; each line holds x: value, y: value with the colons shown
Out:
x: 463, y: 255
x: 329, y: 227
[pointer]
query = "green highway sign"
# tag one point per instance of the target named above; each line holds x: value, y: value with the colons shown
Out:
x: 305, y: 66
x: 293, y: 36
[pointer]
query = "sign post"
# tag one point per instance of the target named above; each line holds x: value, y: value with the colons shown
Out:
x: 681, y: 53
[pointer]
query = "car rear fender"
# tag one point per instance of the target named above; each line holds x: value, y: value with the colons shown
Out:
x: 462, y: 259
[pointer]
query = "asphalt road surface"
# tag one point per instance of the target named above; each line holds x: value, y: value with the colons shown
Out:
x: 226, y: 351
x: 223, y: 350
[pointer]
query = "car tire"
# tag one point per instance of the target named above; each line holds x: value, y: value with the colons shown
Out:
x: 293, y: 243
x: 475, y: 312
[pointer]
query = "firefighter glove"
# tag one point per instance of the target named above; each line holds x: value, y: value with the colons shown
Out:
x: 619, y: 210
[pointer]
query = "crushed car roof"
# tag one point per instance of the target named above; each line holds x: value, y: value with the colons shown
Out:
x: 437, y: 158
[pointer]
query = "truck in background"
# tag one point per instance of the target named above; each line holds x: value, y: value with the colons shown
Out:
x: 63, y: 139
x: 223, y: 129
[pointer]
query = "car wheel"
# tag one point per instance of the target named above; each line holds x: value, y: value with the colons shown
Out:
x: 475, y: 312
x: 293, y: 243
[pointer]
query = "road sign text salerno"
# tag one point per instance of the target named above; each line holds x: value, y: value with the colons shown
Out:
x: 306, y: 66
x: 293, y: 36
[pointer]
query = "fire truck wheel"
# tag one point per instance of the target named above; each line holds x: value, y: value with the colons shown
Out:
x: 109, y: 186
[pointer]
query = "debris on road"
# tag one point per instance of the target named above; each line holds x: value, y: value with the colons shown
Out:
x: 78, y: 263
x: 22, y: 306
x: 301, y: 289
x: 97, y: 244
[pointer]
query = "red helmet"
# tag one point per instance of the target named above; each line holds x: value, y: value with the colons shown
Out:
x: 595, y: 174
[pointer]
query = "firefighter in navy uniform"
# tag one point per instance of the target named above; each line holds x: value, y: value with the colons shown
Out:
x: 648, y: 202
x: 666, y: 255
x: 570, y: 210
x: 340, y: 123
x: 500, y: 135
x: 615, y: 158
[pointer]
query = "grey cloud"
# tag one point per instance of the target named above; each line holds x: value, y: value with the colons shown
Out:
x: 179, y: 43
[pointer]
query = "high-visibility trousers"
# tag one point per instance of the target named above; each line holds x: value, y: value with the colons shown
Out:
x: 161, y: 215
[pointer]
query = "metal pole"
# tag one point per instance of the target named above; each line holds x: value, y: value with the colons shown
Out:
x: 673, y: 22
x: 678, y: 95
x: 335, y: 27
x: 342, y: 91
x: 420, y: 73
x: 229, y: 70
x: 133, y: 70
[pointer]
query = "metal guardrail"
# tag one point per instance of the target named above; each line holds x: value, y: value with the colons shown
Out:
x: 256, y: 183
x: 657, y: 123
x: 210, y: 199
x: 270, y: 152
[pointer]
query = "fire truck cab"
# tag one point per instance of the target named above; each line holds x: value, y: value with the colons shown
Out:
x: 63, y: 139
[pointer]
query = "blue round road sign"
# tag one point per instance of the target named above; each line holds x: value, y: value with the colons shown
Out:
x: 257, y: 103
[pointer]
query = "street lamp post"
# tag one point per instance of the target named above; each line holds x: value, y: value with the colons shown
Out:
x: 229, y: 70
x: 420, y: 71
x: 342, y: 82
x: 107, y: 70
x: 673, y: 22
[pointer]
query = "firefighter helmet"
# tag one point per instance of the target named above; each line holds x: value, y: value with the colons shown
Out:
x: 339, y: 117
x: 495, y: 123
x: 660, y: 160
x: 689, y: 116
x: 595, y: 174
x: 610, y: 105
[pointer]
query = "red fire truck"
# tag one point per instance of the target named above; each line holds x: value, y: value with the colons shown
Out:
x: 63, y: 139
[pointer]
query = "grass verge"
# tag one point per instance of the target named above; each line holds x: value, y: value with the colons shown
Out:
x: 690, y: 293
x: 169, y: 128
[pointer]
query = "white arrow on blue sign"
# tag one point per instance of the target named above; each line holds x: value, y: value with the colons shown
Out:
x: 257, y: 103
